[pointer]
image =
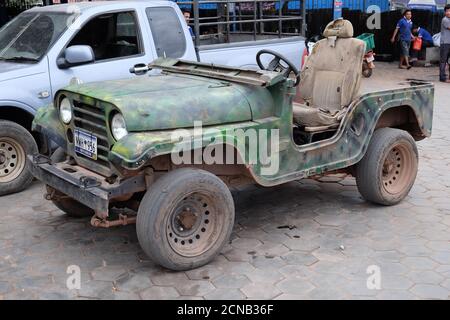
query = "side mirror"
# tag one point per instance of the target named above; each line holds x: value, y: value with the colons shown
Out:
x: 75, y: 56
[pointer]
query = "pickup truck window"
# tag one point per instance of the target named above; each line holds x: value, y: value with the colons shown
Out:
x: 29, y: 36
x: 112, y: 35
x: 170, y: 42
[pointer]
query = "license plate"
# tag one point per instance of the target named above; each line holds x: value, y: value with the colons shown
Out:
x: 86, y: 144
x: 370, y: 58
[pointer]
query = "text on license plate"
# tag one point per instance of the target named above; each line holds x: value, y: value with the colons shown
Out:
x: 85, y: 144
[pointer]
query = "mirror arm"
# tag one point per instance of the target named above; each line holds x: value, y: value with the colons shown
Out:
x: 62, y: 63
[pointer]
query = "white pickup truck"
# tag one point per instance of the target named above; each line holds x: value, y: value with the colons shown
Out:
x: 47, y: 48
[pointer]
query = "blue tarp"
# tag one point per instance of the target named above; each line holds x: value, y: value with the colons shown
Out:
x: 313, y: 4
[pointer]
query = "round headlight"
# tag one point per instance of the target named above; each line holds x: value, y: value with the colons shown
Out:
x: 118, y: 127
x: 65, y: 110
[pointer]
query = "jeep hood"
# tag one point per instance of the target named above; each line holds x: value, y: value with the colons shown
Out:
x: 168, y: 101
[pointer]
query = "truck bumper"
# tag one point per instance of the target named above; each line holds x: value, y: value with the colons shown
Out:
x: 84, y: 186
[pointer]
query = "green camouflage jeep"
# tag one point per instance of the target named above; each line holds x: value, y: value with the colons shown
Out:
x: 162, y: 150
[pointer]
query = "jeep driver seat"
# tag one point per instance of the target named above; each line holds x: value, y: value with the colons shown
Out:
x: 330, y: 78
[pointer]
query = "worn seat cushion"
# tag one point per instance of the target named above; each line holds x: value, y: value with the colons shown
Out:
x: 330, y: 79
x: 313, y: 117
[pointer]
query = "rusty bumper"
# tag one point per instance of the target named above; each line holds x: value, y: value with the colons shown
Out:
x: 83, y: 185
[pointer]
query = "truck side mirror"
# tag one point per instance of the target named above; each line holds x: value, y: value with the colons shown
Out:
x: 75, y: 56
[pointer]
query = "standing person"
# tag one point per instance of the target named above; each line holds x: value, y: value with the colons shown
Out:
x: 427, y: 42
x: 403, y: 28
x: 445, y: 45
x: 187, y: 17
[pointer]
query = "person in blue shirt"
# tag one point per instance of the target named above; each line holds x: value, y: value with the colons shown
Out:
x: 427, y: 42
x: 187, y: 17
x: 403, y: 29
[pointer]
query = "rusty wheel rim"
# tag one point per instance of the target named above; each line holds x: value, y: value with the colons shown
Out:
x: 12, y: 159
x: 398, y: 169
x: 193, y: 225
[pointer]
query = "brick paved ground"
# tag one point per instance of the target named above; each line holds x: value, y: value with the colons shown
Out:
x: 303, y: 240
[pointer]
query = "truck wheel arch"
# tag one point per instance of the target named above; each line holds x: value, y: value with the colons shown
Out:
x: 401, y: 117
x: 23, y: 118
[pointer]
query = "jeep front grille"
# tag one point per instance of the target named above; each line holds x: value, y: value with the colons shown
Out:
x: 91, y: 118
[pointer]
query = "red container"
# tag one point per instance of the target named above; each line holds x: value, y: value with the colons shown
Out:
x: 417, y: 44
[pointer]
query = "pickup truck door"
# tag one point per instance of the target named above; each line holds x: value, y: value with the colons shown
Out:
x: 118, y: 43
x: 169, y: 32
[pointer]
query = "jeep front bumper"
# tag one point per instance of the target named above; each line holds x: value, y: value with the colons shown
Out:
x: 83, y: 185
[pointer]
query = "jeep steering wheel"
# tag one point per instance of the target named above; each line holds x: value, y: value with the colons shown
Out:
x: 275, y: 64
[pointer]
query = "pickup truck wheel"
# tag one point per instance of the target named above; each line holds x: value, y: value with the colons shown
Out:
x: 69, y: 206
x: 15, y: 143
x: 388, y: 170
x: 185, y: 219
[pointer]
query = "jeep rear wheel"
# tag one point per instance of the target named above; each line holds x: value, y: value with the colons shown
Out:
x: 387, y: 172
x: 185, y: 219
x: 15, y: 144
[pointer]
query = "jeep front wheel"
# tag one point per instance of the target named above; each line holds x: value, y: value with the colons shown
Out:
x: 185, y: 219
x: 71, y: 207
x: 15, y: 143
x: 387, y: 172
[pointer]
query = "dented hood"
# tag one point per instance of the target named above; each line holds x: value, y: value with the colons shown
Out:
x: 168, y: 101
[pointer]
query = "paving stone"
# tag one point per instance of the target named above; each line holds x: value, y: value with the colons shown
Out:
x: 5, y: 287
x: 288, y: 296
x: 268, y: 263
x: 296, y: 271
x: 96, y: 289
x: 246, y: 243
x: 207, y: 272
x: 161, y: 277
x: 231, y: 281
x: 442, y: 257
x: 194, y: 287
x: 324, y: 254
x: 159, y: 293
x: 327, y: 293
x: 299, y: 258
x: 108, y: 273
x: 395, y: 282
x: 124, y: 295
x: 134, y: 283
x: 419, y: 263
x: 446, y: 284
x: 225, y: 294
x: 295, y: 286
x: 359, y: 288
x: 396, y: 295
x: 298, y: 244
x: 260, y: 290
x: 427, y: 277
x: 429, y: 291
x: 265, y: 276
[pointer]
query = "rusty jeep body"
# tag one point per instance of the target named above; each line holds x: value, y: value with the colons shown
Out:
x: 168, y: 146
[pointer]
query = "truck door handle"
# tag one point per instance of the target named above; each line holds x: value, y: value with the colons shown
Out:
x: 139, y: 69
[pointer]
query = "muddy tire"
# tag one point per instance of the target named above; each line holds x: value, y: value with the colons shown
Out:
x: 185, y: 219
x: 15, y: 144
x: 387, y: 172
x: 69, y: 206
